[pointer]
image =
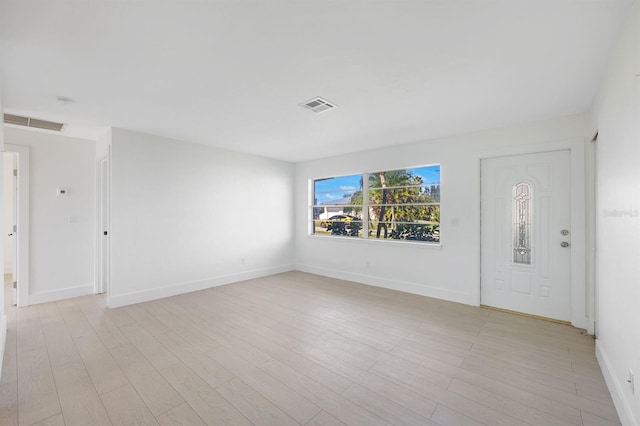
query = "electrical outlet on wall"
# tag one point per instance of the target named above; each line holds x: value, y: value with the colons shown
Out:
x: 631, y: 382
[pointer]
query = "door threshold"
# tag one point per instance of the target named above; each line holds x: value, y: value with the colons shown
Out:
x: 522, y: 314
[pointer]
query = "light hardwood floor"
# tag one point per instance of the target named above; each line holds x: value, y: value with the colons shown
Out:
x: 295, y: 349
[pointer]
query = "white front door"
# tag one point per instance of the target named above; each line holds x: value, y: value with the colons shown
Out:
x: 526, y: 234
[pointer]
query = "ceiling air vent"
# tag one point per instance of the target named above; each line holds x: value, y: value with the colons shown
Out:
x: 16, y: 119
x: 318, y: 105
x: 19, y: 120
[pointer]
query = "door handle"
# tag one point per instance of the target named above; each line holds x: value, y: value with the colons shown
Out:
x: 9, y: 235
x: 564, y: 244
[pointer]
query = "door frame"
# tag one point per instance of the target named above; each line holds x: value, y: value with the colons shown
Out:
x: 22, y: 205
x: 591, y: 171
x: 7, y: 173
x: 103, y: 205
x: 581, y: 315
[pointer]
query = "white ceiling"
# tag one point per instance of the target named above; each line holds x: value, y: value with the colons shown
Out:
x: 232, y: 73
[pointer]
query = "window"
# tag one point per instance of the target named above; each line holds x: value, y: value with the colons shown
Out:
x: 401, y: 204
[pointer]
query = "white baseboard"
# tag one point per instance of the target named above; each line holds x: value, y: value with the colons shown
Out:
x: 181, y: 288
x: 63, y: 293
x: 3, y: 339
x: 407, y: 287
x: 613, y: 383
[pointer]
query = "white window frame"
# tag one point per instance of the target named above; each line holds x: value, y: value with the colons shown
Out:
x: 365, y: 212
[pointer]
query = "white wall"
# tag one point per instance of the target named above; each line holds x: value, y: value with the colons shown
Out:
x: 184, y: 216
x: 451, y: 272
x: 102, y: 144
x: 616, y: 116
x: 61, y: 252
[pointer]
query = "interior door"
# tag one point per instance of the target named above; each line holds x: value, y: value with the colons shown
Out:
x: 526, y: 234
x: 10, y: 221
x: 14, y: 237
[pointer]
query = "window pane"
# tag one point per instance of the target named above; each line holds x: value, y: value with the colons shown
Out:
x: 337, y: 206
x: 404, y: 204
x: 403, y: 224
x: 344, y: 225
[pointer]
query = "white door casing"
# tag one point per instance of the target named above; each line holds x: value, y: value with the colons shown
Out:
x: 541, y: 284
x: 104, y: 212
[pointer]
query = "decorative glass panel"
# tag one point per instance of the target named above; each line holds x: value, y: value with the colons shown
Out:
x: 522, y: 205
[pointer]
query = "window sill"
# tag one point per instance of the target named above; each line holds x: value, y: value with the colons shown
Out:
x: 390, y: 243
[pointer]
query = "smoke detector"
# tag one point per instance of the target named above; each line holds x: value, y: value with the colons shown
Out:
x: 65, y: 101
x: 318, y: 105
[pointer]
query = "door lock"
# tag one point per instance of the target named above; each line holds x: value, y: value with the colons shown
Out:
x: 564, y: 232
x: 564, y: 244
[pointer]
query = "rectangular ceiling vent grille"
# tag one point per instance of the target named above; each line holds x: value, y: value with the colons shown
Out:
x: 318, y: 105
x: 32, y: 122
